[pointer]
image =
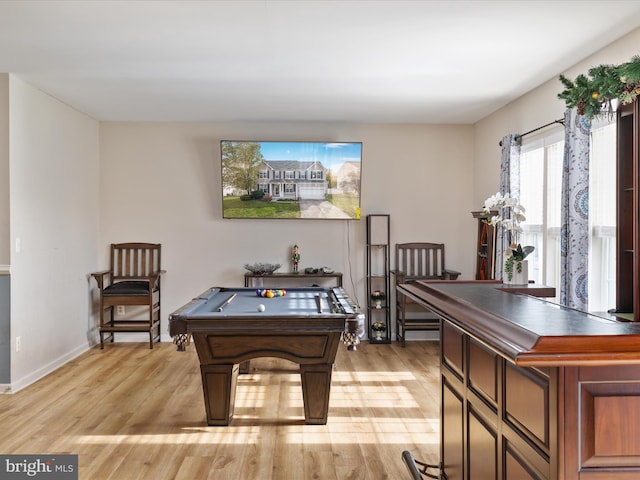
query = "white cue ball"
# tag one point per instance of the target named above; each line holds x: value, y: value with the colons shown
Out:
x: 261, y: 308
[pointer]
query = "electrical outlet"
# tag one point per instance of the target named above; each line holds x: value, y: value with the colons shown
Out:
x: 120, y: 310
x: 18, y: 344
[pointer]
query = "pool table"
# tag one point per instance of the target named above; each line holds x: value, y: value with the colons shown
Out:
x: 228, y: 329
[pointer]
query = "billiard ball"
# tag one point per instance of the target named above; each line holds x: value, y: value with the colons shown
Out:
x: 261, y: 308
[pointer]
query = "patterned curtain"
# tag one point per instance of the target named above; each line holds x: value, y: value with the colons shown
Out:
x: 574, y: 233
x: 509, y: 183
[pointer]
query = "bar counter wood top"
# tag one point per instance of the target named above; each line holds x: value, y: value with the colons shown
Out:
x: 528, y: 330
x: 530, y: 389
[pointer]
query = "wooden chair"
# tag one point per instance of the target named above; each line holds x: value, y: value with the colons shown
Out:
x: 417, y: 261
x: 132, y: 280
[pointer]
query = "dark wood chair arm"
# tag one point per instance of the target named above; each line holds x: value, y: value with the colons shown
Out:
x: 400, y: 276
x: 450, y: 274
x: 100, y: 277
x: 154, y: 279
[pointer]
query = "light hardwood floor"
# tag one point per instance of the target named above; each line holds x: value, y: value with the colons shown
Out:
x: 134, y: 413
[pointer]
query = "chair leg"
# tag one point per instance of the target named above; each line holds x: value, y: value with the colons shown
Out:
x: 151, y: 326
x: 154, y: 309
x: 112, y: 312
x: 159, y: 322
x: 403, y: 313
x: 100, y: 326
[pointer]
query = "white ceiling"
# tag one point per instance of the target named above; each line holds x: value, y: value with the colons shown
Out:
x: 310, y: 61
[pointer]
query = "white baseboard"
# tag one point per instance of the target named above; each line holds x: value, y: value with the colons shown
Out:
x: 45, y: 370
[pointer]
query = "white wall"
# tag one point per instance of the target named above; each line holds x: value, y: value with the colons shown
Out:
x: 54, y: 213
x: 5, y: 280
x: 537, y: 108
x: 4, y: 171
x: 161, y: 183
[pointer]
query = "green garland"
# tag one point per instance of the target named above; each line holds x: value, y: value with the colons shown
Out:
x: 592, y: 92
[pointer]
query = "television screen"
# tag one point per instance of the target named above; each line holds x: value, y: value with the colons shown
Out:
x: 314, y: 180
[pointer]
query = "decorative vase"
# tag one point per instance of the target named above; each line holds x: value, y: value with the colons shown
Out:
x: 378, y: 334
x: 378, y: 303
x: 520, y: 274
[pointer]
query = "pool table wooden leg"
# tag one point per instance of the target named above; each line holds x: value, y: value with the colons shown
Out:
x: 219, y: 386
x: 316, y: 387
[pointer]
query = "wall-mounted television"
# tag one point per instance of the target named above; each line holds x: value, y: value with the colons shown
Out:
x: 311, y: 180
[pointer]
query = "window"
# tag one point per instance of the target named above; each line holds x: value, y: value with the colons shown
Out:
x: 602, y: 214
x: 540, y: 193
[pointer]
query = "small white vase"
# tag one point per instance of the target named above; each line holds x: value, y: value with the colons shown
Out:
x: 378, y: 303
x: 518, y: 277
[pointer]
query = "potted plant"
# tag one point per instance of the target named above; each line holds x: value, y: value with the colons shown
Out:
x: 379, y: 329
x: 511, y: 215
x: 378, y: 296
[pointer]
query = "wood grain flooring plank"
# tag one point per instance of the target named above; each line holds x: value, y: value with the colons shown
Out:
x: 131, y: 413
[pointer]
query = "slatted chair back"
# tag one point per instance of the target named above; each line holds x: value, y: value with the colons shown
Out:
x: 131, y: 261
x: 424, y: 261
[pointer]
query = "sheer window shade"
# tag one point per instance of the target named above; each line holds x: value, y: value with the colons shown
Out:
x: 540, y: 193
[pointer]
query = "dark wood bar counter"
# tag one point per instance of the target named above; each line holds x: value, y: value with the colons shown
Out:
x: 530, y: 389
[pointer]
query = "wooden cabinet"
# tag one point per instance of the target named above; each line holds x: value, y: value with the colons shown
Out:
x: 498, y: 420
x: 378, y: 280
x: 533, y: 390
x: 628, y: 213
x: 485, y: 247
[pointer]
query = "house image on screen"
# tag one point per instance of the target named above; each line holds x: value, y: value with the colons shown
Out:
x: 293, y: 179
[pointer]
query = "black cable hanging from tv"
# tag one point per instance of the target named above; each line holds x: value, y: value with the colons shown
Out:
x: 560, y: 121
